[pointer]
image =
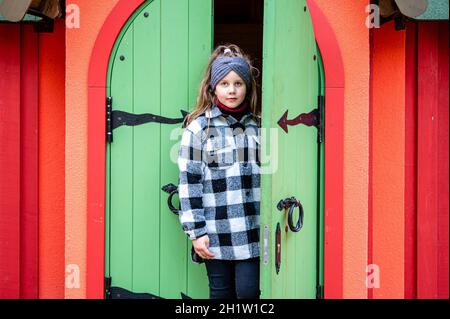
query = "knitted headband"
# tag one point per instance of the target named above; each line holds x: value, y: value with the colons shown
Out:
x: 224, y: 65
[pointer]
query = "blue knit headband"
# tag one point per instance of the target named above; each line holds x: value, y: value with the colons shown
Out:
x: 224, y: 65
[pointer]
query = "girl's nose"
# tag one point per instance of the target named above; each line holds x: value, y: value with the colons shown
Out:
x: 232, y: 88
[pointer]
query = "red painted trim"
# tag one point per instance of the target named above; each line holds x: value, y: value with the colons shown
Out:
x: 98, y: 69
x: 442, y: 157
x: 427, y: 179
x: 411, y: 163
x: 334, y: 150
x: 329, y: 46
x: 29, y: 164
x: 10, y: 161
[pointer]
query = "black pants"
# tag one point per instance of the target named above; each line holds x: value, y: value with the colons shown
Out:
x: 231, y: 279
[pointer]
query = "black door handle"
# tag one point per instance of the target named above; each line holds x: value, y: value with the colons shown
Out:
x: 292, y: 203
x: 171, y: 189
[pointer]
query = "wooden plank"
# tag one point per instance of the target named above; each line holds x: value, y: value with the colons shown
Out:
x: 442, y: 157
x: 427, y: 162
x: 10, y: 161
x: 52, y: 147
x: 146, y: 152
x: 29, y: 164
x: 387, y: 175
x: 174, y: 96
x: 432, y: 253
x: 200, y: 46
x: 266, y: 270
x: 121, y: 254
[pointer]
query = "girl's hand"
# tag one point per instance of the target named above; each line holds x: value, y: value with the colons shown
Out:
x: 201, y: 247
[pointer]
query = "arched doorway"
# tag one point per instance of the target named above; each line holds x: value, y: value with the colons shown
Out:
x: 96, y: 155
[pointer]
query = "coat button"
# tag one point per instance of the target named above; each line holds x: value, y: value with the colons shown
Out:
x: 247, y: 193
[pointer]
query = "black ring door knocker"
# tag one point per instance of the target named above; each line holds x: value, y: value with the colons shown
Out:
x: 171, y: 190
x: 292, y: 203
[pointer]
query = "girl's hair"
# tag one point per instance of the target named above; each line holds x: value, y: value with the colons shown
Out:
x: 206, y: 95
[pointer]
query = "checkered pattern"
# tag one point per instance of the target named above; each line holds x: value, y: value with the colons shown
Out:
x: 219, y: 186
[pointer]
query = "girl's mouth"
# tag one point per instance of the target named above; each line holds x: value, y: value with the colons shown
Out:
x: 232, y: 99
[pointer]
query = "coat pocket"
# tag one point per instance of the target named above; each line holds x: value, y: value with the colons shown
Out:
x: 219, y: 154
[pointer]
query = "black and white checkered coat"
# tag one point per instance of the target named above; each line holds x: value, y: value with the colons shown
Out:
x: 219, y: 186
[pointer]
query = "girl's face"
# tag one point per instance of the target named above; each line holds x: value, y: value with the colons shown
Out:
x: 231, y: 90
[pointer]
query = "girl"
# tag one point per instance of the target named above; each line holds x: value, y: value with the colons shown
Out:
x: 219, y: 187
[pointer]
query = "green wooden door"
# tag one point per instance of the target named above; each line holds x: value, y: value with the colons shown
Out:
x: 291, y: 153
x: 155, y: 68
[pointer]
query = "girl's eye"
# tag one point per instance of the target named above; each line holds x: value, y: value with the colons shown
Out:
x: 238, y: 83
x: 224, y: 83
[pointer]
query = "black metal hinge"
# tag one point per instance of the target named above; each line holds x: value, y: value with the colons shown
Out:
x: 117, y: 118
x: 313, y: 118
x: 319, y: 292
x: 109, y: 136
x: 320, y: 118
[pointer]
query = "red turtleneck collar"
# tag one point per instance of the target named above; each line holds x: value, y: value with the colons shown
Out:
x: 236, y: 112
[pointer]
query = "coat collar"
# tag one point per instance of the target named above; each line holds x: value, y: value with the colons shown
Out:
x: 215, y: 112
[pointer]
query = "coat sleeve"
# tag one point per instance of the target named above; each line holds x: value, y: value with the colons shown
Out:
x: 190, y: 187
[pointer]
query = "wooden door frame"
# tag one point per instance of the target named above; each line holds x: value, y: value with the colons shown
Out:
x: 334, y: 152
x: 334, y: 148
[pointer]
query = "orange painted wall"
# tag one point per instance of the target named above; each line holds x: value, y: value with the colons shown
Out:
x: 353, y: 38
x: 388, y: 174
x: 51, y: 162
x: 79, y: 44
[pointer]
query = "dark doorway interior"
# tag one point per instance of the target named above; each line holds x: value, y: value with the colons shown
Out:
x: 241, y: 22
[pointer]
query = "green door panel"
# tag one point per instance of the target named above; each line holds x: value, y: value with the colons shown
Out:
x: 155, y: 67
x: 290, y: 83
